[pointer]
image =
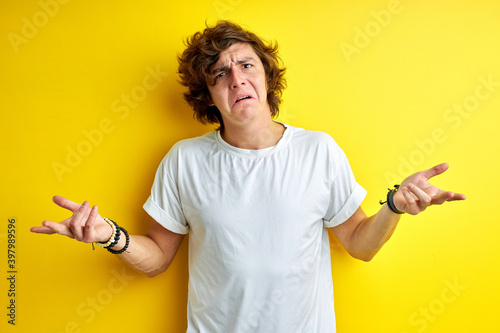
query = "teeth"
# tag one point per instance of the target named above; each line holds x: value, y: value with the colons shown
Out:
x: 239, y: 99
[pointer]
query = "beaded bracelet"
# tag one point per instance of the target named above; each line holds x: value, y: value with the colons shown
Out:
x: 115, y: 236
x: 390, y: 200
x: 127, y: 241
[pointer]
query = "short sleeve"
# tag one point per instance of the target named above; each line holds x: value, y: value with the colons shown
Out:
x: 346, y: 195
x: 164, y: 204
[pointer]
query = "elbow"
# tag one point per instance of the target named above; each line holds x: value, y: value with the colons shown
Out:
x: 363, y: 256
x: 149, y: 271
x: 366, y: 258
x: 152, y: 268
x: 151, y: 274
x: 154, y: 272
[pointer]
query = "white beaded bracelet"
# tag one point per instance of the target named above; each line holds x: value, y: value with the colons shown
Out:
x: 112, y: 239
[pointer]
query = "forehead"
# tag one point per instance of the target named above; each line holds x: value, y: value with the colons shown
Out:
x: 236, y: 52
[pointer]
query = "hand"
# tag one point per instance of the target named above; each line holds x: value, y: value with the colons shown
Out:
x: 85, y: 225
x: 416, y: 193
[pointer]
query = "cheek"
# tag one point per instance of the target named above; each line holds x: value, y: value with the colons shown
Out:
x: 265, y: 82
x: 265, y: 85
x: 212, y: 96
x: 217, y: 96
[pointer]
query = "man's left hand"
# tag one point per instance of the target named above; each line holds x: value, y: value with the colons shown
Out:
x: 416, y: 193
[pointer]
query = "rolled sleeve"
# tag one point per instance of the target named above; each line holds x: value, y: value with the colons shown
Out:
x: 164, y: 203
x: 351, y: 205
x: 346, y: 195
x: 160, y: 216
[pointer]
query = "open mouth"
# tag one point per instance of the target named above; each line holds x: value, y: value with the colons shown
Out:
x: 242, y: 98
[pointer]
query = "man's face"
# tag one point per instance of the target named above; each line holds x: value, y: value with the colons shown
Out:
x: 240, y: 89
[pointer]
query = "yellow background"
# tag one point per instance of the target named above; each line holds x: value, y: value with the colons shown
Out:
x: 382, y: 77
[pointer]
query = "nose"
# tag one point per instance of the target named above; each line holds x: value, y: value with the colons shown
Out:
x: 236, y: 78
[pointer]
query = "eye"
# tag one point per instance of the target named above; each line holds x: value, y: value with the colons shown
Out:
x: 247, y: 65
x: 221, y: 74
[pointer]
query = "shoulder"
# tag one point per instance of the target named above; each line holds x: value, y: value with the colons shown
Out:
x: 318, y: 146
x: 191, y: 149
x: 312, y: 138
x: 199, y: 143
x: 193, y: 143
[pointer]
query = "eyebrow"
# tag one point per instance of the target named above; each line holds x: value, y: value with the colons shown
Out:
x: 238, y: 62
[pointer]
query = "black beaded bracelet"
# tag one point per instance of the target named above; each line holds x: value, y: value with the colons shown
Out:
x: 127, y: 241
x: 390, y: 200
x: 117, y: 237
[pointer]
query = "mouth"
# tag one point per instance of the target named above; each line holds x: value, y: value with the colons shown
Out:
x: 242, y: 98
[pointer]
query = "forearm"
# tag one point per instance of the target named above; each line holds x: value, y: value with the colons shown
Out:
x: 372, y: 233
x: 150, y: 254
x: 143, y: 255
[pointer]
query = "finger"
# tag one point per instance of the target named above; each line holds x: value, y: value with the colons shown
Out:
x: 89, y: 231
x: 65, y: 203
x: 441, y: 198
x: 457, y: 196
x: 76, y: 222
x: 423, y: 199
x: 436, y: 170
x: 447, y: 196
x: 91, y: 221
x: 56, y: 228
x: 42, y: 230
x: 411, y: 203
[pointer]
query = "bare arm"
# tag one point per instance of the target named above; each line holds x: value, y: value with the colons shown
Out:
x: 150, y: 254
x: 363, y: 236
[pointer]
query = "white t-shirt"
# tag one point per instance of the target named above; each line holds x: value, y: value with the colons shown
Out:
x: 259, y: 256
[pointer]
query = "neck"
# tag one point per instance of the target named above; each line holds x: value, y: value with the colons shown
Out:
x: 256, y: 136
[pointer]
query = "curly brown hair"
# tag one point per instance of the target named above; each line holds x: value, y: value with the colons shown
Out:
x: 203, y: 50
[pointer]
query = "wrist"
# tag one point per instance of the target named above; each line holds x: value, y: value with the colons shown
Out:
x: 391, y: 200
x: 115, y: 234
x: 105, y: 232
x: 116, y: 244
x: 121, y: 244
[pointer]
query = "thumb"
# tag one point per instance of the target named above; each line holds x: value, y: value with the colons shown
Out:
x: 65, y: 203
x: 435, y: 170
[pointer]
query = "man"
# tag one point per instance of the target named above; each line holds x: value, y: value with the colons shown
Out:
x: 255, y: 197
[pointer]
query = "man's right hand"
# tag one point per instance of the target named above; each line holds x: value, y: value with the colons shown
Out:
x: 85, y: 225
